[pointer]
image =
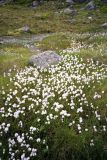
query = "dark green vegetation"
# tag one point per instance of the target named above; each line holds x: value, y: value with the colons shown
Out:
x: 64, y: 143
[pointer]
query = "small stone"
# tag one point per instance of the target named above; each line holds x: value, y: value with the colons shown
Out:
x: 69, y: 2
x: 24, y: 29
x: 90, y: 6
x: 44, y: 59
x: 104, y: 25
x: 69, y: 11
x: 35, y: 3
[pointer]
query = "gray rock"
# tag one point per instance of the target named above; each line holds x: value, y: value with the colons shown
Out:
x: 24, y: 29
x: 104, y: 25
x: 35, y: 4
x: 6, y: 1
x: 69, y: 11
x: 90, y: 6
x: 44, y: 59
x: 3, y: 2
x: 69, y: 2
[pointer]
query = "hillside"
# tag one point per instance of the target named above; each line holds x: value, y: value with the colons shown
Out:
x: 53, y: 81
x: 49, y: 18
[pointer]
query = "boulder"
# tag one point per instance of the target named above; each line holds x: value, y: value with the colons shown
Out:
x: 44, y: 59
x: 90, y: 6
x: 3, y: 2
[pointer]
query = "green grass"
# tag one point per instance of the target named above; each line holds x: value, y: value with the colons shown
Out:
x: 64, y: 142
x: 13, y: 55
x: 60, y: 41
x: 48, y: 18
x: 55, y: 42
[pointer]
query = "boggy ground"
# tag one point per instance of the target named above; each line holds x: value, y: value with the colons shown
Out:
x: 58, y: 113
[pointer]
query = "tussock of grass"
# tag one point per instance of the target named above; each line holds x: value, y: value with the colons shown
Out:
x: 13, y: 55
x: 55, y: 42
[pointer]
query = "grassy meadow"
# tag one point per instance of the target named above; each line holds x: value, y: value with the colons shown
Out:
x: 59, y: 113
x: 49, y: 18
